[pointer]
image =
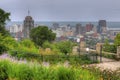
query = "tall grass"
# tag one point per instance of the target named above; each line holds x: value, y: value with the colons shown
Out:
x: 34, y: 71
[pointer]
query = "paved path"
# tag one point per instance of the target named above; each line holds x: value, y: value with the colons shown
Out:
x: 107, y: 64
x: 106, y: 59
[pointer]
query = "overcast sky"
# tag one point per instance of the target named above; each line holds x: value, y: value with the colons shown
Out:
x: 63, y: 10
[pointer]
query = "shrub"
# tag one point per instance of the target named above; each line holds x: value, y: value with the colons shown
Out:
x: 65, y: 74
x: 34, y: 71
x: 24, y: 72
x: 3, y: 48
x: 4, y: 65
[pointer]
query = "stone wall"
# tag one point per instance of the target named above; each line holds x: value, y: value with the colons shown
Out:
x: 98, y: 47
x: 82, y: 45
x: 75, y: 50
x: 118, y: 52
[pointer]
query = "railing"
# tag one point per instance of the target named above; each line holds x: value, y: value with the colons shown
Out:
x: 105, y: 54
x: 82, y: 59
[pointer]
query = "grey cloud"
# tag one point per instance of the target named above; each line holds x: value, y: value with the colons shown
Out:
x: 81, y: 10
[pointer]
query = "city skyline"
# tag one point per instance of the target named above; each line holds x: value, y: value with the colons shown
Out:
x: 63, y: 10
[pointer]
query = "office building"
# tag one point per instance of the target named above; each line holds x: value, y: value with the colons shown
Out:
x: 79, y: 29
x: 102, y: 26
x: 28, y: 25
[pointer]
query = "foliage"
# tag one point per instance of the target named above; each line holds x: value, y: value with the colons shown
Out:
x: 53, y: 52
x: 91, y: 42
x: 117, y: 40
x: 3, y: 70
x: 65, y: 47
x: 3, y: 48
x: 35, y: 71
x: 52, y: 46
x: 111, y: 75
x: 4, y: 31
x: 109, y: 47
x: 65, y: 74
x: 7, y: 43
x: 4, y: 16
x: 47, y: 51
x: 27, y: 43
x: 28, y: 46
x: 108, y: 55
x: 73, y: 59
x: 10, y: 43
x: 23, y: 48
x: 62, y: 47
x: 47, y: 44
x: 41, y: 34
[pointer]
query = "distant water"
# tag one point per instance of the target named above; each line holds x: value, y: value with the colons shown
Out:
x: 71, y: 23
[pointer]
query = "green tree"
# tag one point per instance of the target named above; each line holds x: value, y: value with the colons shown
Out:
x: 106, y: 46
x: 3, y: 48
x: 4, y: 16
x: 109, y: 47
x: 3, y: 31
x: 117, y: 40
x: 41, y: 34
x: 47, y: 44
x: 65, y: 47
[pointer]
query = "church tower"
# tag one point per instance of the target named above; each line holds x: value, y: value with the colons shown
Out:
x: 28, y: 25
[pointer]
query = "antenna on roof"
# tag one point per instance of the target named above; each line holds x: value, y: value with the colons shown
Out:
x: 28, y: 13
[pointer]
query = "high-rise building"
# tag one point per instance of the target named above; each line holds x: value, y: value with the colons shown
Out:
x: 55, y: 26
x: 102, y: 23
x: 102, y: 26
x: 16, y: 31
x: 79, y: 29
x: 94, y: 29
x: 15, y: 28
x: 89, y: 27
x: 28, y: 25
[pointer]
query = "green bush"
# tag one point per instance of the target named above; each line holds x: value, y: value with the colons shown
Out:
x: 110, y: 75
x: 3, y: 48
x: 73, y: 59
x: 65, y: 47
x: 34, y: 71
x: 65, y: 74
x: 4, y: 65
x: 25, y: 73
